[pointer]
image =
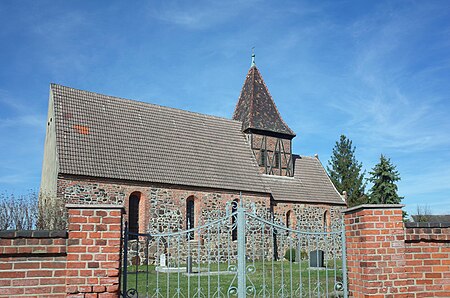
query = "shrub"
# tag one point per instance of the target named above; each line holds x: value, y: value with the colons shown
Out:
x: 290, y: 255
x: 52, y: 213
x: 18, y: 212
x: 30, y: 211
x: 303, y: 255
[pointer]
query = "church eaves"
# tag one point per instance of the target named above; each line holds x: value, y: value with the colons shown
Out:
x: 256, y: 108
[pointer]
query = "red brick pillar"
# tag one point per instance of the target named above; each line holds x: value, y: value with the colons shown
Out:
x: 375, y: 237
x: 93, y: 250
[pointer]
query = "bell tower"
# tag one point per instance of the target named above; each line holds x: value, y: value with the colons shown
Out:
x: 268, y: 134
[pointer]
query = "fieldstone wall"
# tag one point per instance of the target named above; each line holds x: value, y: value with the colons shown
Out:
x: 162, y: 209
x: 313, y: 218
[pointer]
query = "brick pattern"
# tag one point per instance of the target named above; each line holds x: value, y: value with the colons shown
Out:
x: 375, y: 252
x: 385, y: 259
x: 93, y: 250
x: 428, y: 260
x: 33, y: 263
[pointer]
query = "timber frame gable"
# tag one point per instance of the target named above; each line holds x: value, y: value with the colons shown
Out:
x: 273, y: 154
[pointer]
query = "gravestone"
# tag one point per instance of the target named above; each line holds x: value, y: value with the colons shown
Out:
x: 316, y: 258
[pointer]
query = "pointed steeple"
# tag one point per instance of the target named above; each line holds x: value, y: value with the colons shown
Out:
x: 256, y: 109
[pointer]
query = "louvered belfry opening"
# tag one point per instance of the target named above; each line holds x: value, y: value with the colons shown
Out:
x: 269, y: 135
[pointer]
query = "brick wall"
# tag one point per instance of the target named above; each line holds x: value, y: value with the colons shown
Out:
x: 81, y: 262
x: 93, y: 250
x: 428, y: 258
x: 386, y: 260
x: 32, y: 263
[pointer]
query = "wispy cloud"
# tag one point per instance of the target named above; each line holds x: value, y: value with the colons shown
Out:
x: 19, y: 114
x: 385, y: 103
x: 35, y: 120
x: 199, y: 14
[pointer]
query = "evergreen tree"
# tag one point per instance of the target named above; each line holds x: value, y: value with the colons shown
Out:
x: 383, y: 176
x: 345, y: 172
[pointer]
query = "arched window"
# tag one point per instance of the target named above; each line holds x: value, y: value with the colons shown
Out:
x: 233, y: 220
x: 288, y: 219
x: 190, y: 216
x: 133, y: 212
x: 326, y: 221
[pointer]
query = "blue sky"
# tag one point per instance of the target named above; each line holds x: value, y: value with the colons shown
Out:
x: 376, y: 71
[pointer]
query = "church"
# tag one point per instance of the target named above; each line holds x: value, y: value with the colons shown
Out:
x: 173, y: 169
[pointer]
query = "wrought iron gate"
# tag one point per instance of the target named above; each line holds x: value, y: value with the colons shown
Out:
x: 242, y: 254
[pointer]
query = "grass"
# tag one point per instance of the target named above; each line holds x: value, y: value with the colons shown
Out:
x: 278, y: 278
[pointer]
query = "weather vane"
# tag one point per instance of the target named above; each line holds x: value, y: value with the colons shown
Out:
x: 253, y: 56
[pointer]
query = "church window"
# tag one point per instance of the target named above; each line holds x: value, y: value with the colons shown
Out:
x: 133, y: 213
x: 288, y: 219
x: 326, y: 221
x: 190, y: 217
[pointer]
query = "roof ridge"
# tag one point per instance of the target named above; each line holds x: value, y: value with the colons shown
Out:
x: 147, y: 103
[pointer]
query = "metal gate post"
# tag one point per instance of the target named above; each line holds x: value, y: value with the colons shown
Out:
x: 344, y: 259
x: 241, y: 250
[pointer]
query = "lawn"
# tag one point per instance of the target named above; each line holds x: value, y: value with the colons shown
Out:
x: 264, y: 279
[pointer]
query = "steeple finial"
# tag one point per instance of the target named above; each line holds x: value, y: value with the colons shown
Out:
x: 253, y: 57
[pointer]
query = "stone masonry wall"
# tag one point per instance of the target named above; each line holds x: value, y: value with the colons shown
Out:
x: 33, y: 263
x: 314, y: 218
x: 162, y: 209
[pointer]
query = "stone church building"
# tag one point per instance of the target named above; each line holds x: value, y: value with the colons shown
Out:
x: 171, y: 168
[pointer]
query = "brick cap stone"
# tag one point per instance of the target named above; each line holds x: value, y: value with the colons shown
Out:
x: 33, y: 234
x: 94, y: 206
x: 373, y: 206
x: 427, y: 224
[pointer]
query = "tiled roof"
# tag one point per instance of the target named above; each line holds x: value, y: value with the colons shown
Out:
x: 105, y: 136
x: 309, y: 184
x: 109, y: 137
x: 256, y: 108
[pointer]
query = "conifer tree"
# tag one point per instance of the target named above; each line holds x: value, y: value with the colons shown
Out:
x: 384, y: 189
x: 345, y: 172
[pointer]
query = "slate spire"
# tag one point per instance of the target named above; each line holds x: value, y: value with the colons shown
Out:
x: 256, y: 109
